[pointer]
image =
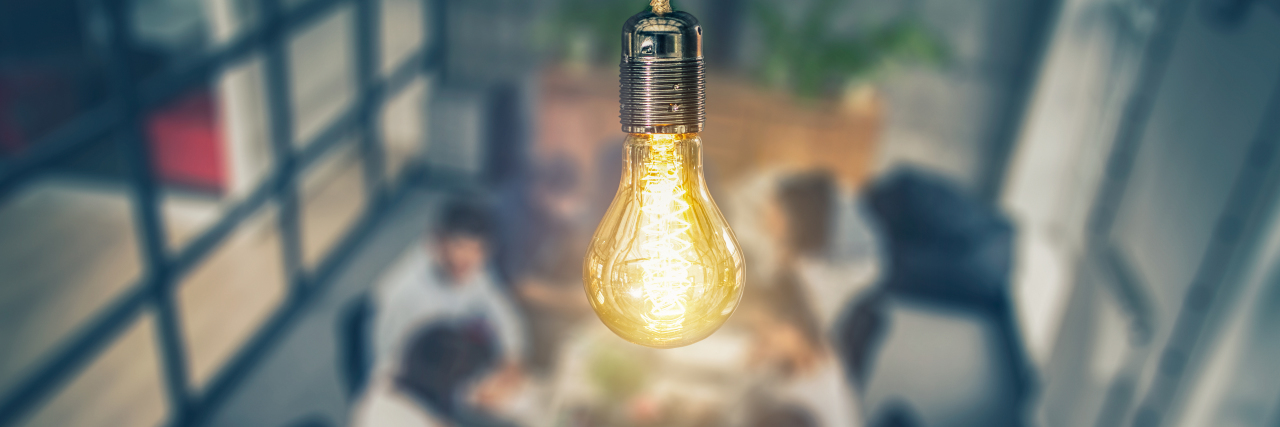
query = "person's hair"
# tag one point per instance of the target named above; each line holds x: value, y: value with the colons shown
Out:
x: 441, y: 359
x: 808, y: 201
x: 464, y: 217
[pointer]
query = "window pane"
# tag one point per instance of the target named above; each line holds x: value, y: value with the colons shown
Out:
x: 210, y: 149
x: 321, y: 70
x: 225, y: 300
x: 176, y: 34
x: 333, y: 198
x: 403, y: 125
x: 68, y: 249
x: 401, y: 31
x: 229, y: 19
x: 121, y: 387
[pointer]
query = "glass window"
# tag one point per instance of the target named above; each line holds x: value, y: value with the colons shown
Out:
x: 68, y: 249
x: 322, y: 73
x: 401, y: 31
x: 333, y: 197
x: 228, y: 297
x: 121, y: 387
x: 210, y: 149
x: 404, y: 126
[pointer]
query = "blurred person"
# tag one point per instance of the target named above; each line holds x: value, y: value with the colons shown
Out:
x: 806, y: 225
x: 819, y: 253
x: 542, y: 235
x: 790, y: 349
x: 538, y: 219
x: 450, y: 376
x: 446, y: 279
x: 828, y: 241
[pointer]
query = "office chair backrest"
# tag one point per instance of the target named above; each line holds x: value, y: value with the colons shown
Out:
x: 942, y: 243
x: 355, y: 344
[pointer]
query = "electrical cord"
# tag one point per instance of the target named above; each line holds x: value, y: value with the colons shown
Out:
x: 661, y: 6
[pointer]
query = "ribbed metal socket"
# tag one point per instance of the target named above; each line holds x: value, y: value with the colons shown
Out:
x: 664, y: 97
x: 663, y: 77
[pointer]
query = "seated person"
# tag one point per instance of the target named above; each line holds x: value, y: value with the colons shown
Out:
x: 788, y: 346
x: 445, y: 280
x: 543, y: 240
x: 442, y: 381
x: 540, y: 224
x: 828, y: 242
x: 805, y: 224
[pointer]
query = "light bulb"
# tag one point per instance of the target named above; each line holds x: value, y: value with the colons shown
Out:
x: 663, y: 269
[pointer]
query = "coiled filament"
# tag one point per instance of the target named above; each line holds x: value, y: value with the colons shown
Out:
x: 666, y: 280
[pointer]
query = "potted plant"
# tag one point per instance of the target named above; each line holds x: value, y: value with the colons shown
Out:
x: 811, y: 58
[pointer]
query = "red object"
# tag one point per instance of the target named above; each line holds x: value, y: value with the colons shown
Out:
x: 186, y: 144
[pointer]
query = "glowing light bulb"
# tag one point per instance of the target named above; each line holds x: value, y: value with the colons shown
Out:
x: 664, y: 269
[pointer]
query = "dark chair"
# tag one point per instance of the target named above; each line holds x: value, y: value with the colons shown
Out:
x: 355, y: 343
x: 857, y: 334
x: 942, y: 243
x: 313, y: 420
x: 949, y: 260
x: 896, y: 414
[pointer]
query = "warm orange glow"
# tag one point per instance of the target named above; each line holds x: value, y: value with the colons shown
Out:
x: 663, y: 270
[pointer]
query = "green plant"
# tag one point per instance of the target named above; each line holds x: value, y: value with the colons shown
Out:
x: 618, y: 373
x: 807, y: 56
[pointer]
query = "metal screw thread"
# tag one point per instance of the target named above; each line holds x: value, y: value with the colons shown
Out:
x: 663, y: 96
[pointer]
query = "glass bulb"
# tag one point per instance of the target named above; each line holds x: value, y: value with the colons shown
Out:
x: 663, y: 270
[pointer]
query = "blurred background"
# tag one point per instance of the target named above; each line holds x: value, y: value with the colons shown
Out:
x: 373, y: 213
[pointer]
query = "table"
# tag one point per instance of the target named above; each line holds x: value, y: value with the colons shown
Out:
x: 602, y: 380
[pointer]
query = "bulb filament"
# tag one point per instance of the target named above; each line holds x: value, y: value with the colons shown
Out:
x: 665, y: 236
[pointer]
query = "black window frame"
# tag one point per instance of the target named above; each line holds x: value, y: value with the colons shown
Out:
x: 122, y: 118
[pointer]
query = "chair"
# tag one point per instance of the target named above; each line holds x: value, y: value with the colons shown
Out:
x: 939, y: 330
x: 355, y: 343
x: 313, y: 420
x: 895, y: 414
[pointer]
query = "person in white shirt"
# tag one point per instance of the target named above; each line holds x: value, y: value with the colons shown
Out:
x: 447, y: 280
x: 807, y: 225
x: 804, y: 373
x: 440, y: 365
x: 814, y: 253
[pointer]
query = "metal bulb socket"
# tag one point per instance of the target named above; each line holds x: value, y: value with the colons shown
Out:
x: 663, y: 77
